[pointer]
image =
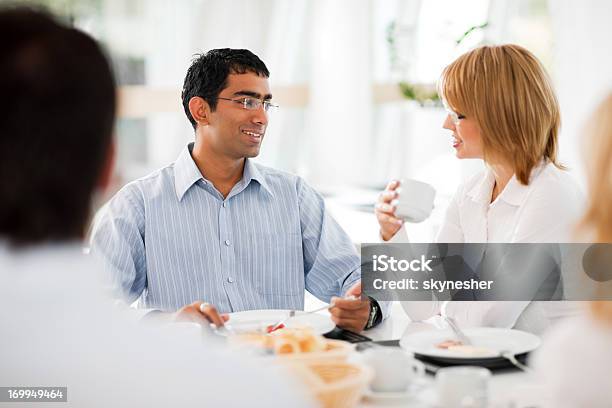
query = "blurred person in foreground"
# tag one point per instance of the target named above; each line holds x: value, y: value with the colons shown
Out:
x: 575, y: 360
x: 502, y: 109
x: 214, y: 228
x: 58, y: 327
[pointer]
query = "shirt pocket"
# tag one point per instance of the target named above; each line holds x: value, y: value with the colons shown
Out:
x: 276, y: 264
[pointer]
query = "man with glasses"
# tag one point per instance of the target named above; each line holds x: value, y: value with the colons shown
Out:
x: 214, y: 228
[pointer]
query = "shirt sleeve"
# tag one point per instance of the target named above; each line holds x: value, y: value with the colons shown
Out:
x: 331, y: 262
x: 450, y: 232
x: 400, y: 237
x: 117, y: 240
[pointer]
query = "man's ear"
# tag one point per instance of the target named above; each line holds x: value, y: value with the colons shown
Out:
x: 200, y: 110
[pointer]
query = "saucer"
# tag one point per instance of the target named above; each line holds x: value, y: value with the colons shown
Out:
x: 389, y: 397
x: 410, y: 394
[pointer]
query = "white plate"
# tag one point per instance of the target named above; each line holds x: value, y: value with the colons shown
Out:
x: 494, y: 339
x: 253, y: 320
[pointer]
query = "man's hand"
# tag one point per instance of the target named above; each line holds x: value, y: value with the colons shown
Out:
x: 202, y: 313
x: 351, y: 314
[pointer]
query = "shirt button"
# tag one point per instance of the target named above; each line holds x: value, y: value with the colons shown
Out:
x: 230, y: 279
x: 227, y: 242
x: 224, y: 204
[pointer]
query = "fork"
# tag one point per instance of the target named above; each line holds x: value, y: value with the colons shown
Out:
x: 454, y: 326
x: 510, y: 356
x: 282, y: 322
x: 292, y: 314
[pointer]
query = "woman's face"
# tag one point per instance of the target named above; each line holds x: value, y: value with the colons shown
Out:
x: 466, y: 135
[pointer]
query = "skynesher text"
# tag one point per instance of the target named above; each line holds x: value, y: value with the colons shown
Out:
x: 431, y: 284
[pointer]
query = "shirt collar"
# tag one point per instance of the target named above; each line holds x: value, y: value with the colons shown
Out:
x: 252, y: 172
x: 187, y: 173
x: 481, y: 192
x: 514, y: 193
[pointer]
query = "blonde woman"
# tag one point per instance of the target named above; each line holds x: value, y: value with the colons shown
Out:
x: 501, y: 108
x: 577, y: 356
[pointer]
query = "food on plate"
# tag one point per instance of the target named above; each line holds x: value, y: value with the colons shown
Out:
x: 458, y: 347
x: 271, y: 328
x: 286, y: 340
x: 296, y: 340
x: 472, y: 351
x: 448, y: 343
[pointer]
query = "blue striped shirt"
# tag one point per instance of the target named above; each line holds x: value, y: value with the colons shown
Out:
x: 171, y: 238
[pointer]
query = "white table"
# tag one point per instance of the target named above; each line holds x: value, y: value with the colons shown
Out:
x: 506, y: 387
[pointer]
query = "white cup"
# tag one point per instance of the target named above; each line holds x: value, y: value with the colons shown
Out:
x: 394, y: 369
x: 463, y: 387
x: 415, y: 201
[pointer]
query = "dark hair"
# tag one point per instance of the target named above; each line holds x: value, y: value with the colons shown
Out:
x: 207, y: 75
x: 58, y: 110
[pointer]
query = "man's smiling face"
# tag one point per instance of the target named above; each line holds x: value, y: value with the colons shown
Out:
x: 234, y: 131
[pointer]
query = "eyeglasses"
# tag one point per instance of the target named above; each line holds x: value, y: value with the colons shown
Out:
x: 455, y: 117
x: 250, y: 103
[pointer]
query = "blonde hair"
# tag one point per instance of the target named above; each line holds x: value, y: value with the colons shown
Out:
x: 598, y: 216
x: 507, y: 91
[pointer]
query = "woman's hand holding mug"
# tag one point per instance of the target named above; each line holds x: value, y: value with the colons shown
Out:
x: 415, y: 205
x: 385, y: 211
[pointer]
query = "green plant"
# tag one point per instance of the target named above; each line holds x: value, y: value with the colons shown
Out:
x: 470, y: 31
x: 424, y: 94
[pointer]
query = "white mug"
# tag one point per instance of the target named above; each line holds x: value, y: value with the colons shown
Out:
x: 415, y: 200
x: 462, y: 387
x: 394, y: 369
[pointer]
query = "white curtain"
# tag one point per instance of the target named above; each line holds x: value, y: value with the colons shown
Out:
x: 339, y: 117
x: 582, y: 67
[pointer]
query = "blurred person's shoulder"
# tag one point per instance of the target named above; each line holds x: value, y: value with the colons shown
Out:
x: 582, y: 334
x: 576, y: 355
x: 48, y: 270
x: 104, y: 357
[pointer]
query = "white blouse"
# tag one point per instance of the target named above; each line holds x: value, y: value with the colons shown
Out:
x: 546, y: 210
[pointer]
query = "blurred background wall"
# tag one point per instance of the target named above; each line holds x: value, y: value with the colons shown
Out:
x: 344, y: 124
